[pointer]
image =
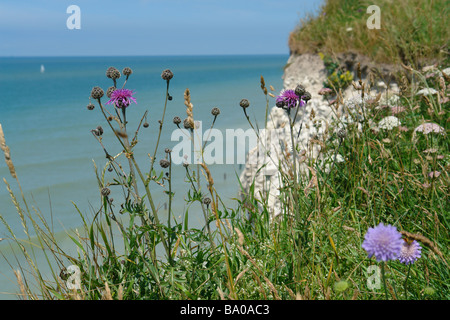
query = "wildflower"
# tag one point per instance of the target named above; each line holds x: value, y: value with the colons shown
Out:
x: 429, y: 127
x: 426, y: 92
x: 290, y: 99
x: 434, y: 174
x: 325, y: 91
x: 383, y: 242
x: 122, y: 98
x: 410, y: 252
x: 389, y: 123
x: 397, y: 109
x: 206, y: 201
x: 90, y: 106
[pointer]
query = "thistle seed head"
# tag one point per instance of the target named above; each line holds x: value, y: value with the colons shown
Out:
x: 105, y: 192
x: 109, y: 91
x: 97, y: 93
x: 113, y: 73
x: 167, y: 75
x: 127, y: 71
x: 177, y: 120
x: 244, y: 103
x: 164, y: 163
x: 300, y: 90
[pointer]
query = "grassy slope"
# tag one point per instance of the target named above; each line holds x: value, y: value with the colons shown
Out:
x: 414, y: 32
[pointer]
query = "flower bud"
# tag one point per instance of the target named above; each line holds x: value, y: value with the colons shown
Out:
x: 306, y: 96
x: 127, y: 71
x: 244, y: 103
x: 177, y: 120
x: 97, y: 93
x: 105, y: 192
x: 167, y: 75
x: 300, y: 90
x: 164, y: 163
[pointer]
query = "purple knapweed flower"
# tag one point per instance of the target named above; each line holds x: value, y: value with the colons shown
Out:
x: 289, y: 99
x: 383, y: 242
x: 410, y: 252
x: 122, y: 98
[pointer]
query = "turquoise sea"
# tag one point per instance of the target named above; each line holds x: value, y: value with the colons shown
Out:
x: 47, y: 127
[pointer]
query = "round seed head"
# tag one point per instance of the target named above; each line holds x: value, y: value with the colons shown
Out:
x: 244, y: 103
x: 280, y: 104
x: 100, y: 130
x: 300, y: 90
x: 127, y: 71
x: 177, y: 120
x: 105, y: 192
x: 167, y: 150
x: 215, y: 111
x: 306, y: 96
x: 90, y: 106
x: 164, y: 163
x: 97, y: 93
x: 342, y: 133
x: 145, y: 124
x: 113, y: 73
x: 167, y: 75
x: 206, y: 201
x: 109, y: 91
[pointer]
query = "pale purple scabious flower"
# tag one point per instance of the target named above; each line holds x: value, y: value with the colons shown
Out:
x: 383, y: 242
x: 290, y: 99
x: 410, y: 252
x: 122, y: 98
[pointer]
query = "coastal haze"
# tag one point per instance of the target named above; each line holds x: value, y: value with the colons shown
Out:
x: 219, y: 50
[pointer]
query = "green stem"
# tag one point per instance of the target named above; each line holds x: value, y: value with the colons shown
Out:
x: 406, y: 282
x: 159, y: 135
x: 384, y: 279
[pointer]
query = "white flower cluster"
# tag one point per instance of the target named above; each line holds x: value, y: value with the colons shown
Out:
x: 389, y: 123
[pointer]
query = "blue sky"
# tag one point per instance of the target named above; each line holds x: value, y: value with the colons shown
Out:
x: 150, y: 27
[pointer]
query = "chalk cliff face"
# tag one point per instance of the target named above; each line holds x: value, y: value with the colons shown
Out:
x: 315, y: 123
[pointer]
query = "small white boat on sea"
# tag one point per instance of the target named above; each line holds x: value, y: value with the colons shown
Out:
x: 42, y: 68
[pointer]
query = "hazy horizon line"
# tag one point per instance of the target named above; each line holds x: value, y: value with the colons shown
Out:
x: 146, y: 55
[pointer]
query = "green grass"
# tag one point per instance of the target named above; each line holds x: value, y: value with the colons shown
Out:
x: 413, y: 32
x: 306, y: 253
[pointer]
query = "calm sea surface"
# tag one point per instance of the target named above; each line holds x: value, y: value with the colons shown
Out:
x: 47, y: 127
